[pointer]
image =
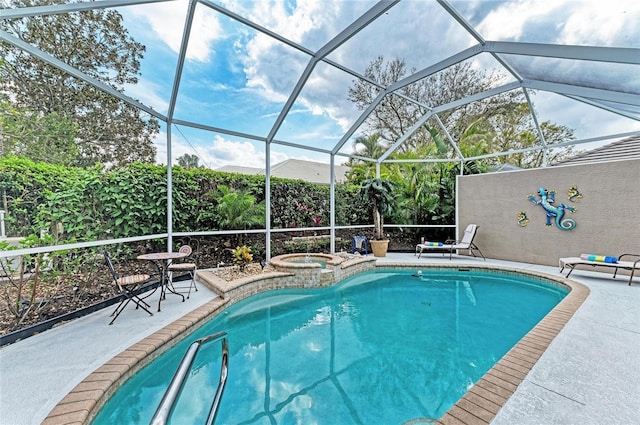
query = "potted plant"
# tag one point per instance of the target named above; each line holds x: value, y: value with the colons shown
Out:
x: 379, y: 194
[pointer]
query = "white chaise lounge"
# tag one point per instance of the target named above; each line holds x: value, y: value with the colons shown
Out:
x: 451, y: 245
x: 572, y: 262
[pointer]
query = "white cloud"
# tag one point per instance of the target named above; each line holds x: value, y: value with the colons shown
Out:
x: 217, y: 152
x: 586, y: 121
x: 584, y: 22
x: 603, y: 23
x: 509, y: 21
x: 272, y: 69
x: 206, y: 30
x: 226, y: 152
x: 167, y: 21
x: 296, y: 21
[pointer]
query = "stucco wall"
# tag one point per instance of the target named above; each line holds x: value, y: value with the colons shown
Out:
x: 607, y: 216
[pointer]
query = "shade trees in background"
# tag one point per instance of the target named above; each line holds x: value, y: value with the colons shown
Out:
x: 512, y: 129
x: 41, y: 137
x: 237, y: 208
x: 366, y: 147
x: 188, y: 161
x: 426, y: 190
x: 105, y: 128
x: 396, y: 114
x: 504, y: 120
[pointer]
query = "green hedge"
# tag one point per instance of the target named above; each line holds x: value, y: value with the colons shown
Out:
x: 96, y: 203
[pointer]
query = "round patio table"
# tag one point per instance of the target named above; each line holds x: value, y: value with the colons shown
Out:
x: 162, y: 260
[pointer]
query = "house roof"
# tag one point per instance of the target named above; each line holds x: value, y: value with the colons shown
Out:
x: 505, y: 167
x: 240, y: 169
x: 310, y: 171
x: 628, y: 148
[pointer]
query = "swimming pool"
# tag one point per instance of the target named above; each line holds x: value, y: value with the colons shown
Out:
x: 384, y: 347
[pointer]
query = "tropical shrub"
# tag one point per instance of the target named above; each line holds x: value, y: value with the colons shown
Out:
x: 242, y: 256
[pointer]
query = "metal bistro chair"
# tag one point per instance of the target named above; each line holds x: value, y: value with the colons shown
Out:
x: 184, y: 266
x: 128, y: 286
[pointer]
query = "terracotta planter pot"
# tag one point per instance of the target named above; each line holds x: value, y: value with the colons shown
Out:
x: 379, y: 248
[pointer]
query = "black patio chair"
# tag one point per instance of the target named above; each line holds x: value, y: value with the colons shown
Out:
x: 128, y: 287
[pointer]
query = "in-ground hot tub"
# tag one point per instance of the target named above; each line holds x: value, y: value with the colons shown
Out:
x: 287, y: 262
x: 310, y: 269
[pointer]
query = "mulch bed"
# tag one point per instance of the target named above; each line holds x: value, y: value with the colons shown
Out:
x: 69, y: 302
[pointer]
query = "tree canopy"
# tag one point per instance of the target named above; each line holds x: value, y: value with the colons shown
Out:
x: 477, y: 128
x: 188, y: 161
x: 41, y: 137
x: 104, y: 128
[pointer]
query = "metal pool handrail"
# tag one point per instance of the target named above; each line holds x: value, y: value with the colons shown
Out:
x: 169, y: 399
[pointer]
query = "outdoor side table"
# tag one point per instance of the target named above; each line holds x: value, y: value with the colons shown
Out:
x: 163, y: 259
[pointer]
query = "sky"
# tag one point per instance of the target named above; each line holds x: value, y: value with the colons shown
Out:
x: 239, y: 79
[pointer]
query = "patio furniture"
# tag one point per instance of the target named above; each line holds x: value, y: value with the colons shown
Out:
x: 162, y: 261
x: 359, y: 243
x: 189, y: 267
x: 129, y: 288
x: 573, y: 262
x: 452, y: 245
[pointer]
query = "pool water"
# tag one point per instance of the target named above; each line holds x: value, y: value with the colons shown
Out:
x: 304, y: 260
x: 385, y: 347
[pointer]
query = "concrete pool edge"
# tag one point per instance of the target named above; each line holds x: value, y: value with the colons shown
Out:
x: 478, y: 406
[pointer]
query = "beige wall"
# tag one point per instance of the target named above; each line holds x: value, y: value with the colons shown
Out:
x: 607, y: 216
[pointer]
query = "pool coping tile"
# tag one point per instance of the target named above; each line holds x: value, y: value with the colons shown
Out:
x: 502, y: 380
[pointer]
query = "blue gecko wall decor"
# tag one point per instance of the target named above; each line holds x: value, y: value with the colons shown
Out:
x: 547, y: 198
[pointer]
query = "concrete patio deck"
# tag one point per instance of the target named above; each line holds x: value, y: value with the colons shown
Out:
x: 590, y: 373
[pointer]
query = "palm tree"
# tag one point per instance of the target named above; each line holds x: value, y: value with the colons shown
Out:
x: 371, y: 146
x: 188, y: 161
x: 367, y: 147
x: 237, y: 209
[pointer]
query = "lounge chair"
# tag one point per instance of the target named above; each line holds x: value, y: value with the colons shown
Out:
x: 452, y: 245
x: 572, y: 262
